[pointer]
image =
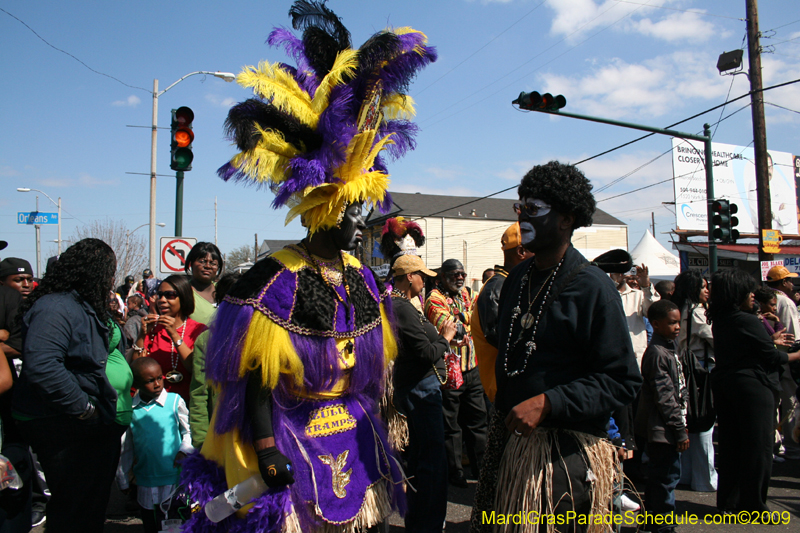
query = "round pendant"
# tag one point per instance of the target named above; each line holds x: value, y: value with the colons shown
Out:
x: 527, y: 321
x: 173, y: 376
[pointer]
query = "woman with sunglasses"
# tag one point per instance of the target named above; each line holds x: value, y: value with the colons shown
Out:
x: 204, y: 264
x: 169, y: 336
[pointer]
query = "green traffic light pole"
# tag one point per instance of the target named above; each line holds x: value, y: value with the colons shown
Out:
x: 705, y: 138
x: 179, y: 203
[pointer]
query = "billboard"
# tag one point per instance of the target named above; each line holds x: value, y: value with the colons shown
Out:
x: 734, y: 180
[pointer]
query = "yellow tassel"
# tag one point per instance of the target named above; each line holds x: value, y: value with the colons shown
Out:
x: 345, y: 63
x: 269, y: 346
x: 389, y: 342
x: 271, y: 82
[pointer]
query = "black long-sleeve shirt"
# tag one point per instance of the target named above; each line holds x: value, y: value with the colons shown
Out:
x: 584, y: 362
x: 742, y: 346
x: 420, y: 346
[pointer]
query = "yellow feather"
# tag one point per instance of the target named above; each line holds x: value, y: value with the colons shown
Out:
x: 397, y: 106
x: 269, y: 346
x: 345, y: 63
x: 406, y: 30
x: 271, y: 82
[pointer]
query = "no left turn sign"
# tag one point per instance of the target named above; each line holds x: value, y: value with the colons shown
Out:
x: 174, y: 251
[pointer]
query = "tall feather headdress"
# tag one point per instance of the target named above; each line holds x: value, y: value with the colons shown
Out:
x: 314, y: 133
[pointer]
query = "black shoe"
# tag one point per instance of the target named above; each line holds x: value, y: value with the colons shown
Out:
x: 458, y: 480
x: 38, y: 518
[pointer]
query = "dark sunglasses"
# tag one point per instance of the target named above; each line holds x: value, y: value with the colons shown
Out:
x: 457, y: 275
x: 169, y: 295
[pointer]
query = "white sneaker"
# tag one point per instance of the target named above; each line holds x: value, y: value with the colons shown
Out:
x: 627, y: 504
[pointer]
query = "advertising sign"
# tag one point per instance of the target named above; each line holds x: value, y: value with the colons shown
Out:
x: 734, y: 180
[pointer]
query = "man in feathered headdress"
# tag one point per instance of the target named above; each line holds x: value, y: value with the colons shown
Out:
x: 298, y: 347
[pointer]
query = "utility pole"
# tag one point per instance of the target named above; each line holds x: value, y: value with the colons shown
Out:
x: 763, y: 197
x: 653, y: 222
x: 255, y: 250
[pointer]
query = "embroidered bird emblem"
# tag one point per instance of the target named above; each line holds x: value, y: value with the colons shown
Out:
x: 340, y: 479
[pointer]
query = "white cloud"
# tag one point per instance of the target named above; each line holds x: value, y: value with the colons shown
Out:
x: 219, y: 101
x: 777, y: 70
x: 7, y: 172
x: 648, y: 89
x: 131, y: 101
x: 574, y: 18
x: 83, y: 180
x: 677, y: 27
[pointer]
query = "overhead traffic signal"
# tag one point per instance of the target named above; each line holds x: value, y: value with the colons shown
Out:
x: 182, y: 137
x: 540, y: 102
x: 723, y: 221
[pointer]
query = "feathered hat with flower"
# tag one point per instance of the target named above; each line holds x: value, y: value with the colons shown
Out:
x: 314, y: 133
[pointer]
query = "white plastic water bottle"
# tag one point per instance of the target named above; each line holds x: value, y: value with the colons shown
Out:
x: 235, y: 498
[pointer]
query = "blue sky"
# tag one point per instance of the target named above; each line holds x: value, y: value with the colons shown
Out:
x: 64, y: 128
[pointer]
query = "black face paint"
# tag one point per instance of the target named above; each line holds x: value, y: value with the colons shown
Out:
x: 537, y: 233
x: 349, y: 233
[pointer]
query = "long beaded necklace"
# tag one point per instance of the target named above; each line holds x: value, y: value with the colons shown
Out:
x: 174, y: 375
x: 530, y: 346
x: 422, y: 321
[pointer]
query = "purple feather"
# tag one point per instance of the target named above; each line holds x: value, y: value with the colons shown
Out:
x: 204, y: 480
x: 320, y: 361
x: 386, y: 205
x: 403, y: 133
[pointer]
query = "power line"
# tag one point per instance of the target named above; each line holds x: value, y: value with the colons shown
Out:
x: 493, y: 39
x: 779, y: 85
x: 636, y: 190
x: 72, y: 56
x: 787, y: 24
x: 780, y: 106
x: 525, y: 63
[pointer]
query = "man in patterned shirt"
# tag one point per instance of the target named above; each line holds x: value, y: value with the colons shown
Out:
x: 451, y: 300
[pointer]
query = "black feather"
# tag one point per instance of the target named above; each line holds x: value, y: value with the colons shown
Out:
x: 240, y: 126
x: 379, y: 48
x: 320, y: 49
x: 316, y: 14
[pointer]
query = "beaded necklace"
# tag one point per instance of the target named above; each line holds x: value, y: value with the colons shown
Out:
x: 174, y: 375
x: 422, y: 321
x: 530, y: 346
x: 318, y: 267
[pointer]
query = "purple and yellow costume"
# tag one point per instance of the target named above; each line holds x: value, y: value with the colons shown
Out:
x: 314, y: 135
x: 324, y: 398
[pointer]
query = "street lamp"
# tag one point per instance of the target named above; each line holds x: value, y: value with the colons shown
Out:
x: 129, y: 233
x: 58, y: 204
x: 227, y: 76
x: 38, y: 235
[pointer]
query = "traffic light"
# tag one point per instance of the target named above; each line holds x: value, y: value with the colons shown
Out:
x: 724, y: 222
x: 540, y: 102
x: 182, y: 137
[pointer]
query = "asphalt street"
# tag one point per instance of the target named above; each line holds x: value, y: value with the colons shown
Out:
x: 784, y: 495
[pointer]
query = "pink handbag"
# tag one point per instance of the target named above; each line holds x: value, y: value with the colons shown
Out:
x: 452, y: 363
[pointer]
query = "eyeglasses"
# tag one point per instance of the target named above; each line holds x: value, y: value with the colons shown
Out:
x: 206, y: 262
x: 531, y: 210
x: 457, y: 275
x: 169, y: 295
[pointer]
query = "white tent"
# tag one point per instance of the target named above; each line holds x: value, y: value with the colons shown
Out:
x: 660, y: 261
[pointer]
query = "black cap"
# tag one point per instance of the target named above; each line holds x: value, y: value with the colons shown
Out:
x: 11, y: 266
x: 3, y: 245
x: 146, y: 273
x: 129, y: 279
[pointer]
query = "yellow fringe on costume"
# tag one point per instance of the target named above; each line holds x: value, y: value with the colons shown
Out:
x: 526, y: 472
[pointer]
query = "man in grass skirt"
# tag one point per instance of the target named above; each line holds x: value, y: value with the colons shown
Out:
x: 565, y: 362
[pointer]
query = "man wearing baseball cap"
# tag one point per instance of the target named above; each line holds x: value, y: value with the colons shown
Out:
x: 484, y: 321
x: 779, y: 278
x: 17, y: 274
